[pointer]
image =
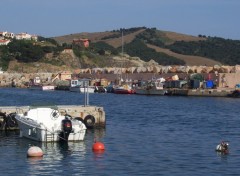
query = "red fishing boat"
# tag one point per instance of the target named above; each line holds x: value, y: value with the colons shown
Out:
x: 125, y: 89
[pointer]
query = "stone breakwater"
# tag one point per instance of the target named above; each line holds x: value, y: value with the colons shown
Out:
x: 165, y: 69
x: 22, y: 79
x: 7, y: 79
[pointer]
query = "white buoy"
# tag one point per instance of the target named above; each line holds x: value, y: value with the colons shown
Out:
x: 34, y: 152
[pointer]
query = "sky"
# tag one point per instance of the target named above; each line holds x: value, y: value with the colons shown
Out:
x: 51, y: 18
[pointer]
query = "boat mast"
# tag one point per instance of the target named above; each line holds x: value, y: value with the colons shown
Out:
x: 122, y: 43
x: 122, y: 56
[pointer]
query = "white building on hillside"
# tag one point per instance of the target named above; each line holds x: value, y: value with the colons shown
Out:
x: 26, y: 36
x: 9, y: 35
x: 22, y: 36
x: 34, y: 37
x: 6, y: 34
x: 2, y: 34
x: 4, y: 42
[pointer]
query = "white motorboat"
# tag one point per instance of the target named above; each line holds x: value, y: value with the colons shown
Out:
x: 82, y: 86
x: 89, y: 89
x: 46, y: 124
x: 35, y: 84
x: 42, y: 87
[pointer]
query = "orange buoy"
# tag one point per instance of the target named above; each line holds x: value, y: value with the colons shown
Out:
x: 34, y: 152
x: 98, y: 146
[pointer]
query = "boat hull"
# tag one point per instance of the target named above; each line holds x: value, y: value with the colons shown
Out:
x: 39, y: 133
x: 82, y: 89
x: 150, y: 91
x: 123, y: 91
x: 48, y: 87
x: 42, y: 87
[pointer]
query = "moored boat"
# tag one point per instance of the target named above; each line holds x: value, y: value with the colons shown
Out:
x: 47, y: 124
x: 35, y: 84
x: 81, y: 85
x: 154, y: 87
x: 90, y: 89
x: 125, y: 89
x: 41, y: 87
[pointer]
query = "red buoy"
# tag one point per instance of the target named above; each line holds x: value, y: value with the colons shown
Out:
x: 34, y: 152
x: 98, y: 146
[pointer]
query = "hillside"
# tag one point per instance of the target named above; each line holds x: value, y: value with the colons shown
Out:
x: 142, y: 47
x: 165, y: 36
x: 190, y: 60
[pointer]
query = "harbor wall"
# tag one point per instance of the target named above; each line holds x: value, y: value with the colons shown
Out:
x: 228, y: 80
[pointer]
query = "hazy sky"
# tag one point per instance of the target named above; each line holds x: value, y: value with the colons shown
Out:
x: 51, y: 18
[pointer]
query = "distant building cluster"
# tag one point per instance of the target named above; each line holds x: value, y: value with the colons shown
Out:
x: 6, y: 37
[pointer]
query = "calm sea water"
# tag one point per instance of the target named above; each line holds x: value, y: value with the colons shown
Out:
x: 144, y: 135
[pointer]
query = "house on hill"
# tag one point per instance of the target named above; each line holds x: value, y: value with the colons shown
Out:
x: 81, y: 42
x: 63, y: 76
x: 26, y: 36
x: 4, y: 42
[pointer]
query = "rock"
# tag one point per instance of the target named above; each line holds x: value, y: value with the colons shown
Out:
x: 236, y: 69
x: 156, y: 69
x: 165, y: 69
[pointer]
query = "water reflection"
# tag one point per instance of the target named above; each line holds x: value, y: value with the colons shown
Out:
x: 59, y: 157
x: 63, y: 150
x: 97, y: 134
x: 7, y: 133
x: 98, y: 154
x: 34, y: 160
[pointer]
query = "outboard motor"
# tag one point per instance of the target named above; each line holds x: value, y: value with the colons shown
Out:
x: 66, y: 129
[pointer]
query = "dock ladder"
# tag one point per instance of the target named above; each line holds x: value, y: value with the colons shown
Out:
x: 49, y: 137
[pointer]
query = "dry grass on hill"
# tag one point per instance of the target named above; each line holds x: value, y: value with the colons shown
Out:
x: 173, y: 36
x: 117, y: 42
x: 94, y: 37
x: 190, y: 60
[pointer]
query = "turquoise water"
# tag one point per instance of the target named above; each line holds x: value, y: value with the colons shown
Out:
x: 144, y: 135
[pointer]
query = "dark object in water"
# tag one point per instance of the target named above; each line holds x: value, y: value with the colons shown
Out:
x: 235, y: 94
x: 223, y: 147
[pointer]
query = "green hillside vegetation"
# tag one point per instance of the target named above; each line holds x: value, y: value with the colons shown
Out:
x: 219, y: 49
x: 105, y: 45
x: 102, y: 48
x: 225, y: 51
x: 118, y: 33
x: 138, y: 48
x: 26, y: 51
x: 154, y: 37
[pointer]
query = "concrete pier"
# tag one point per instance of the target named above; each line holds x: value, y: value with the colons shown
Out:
x: 92, y: 116
x: 220, y: 92
x: 210, y: 92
